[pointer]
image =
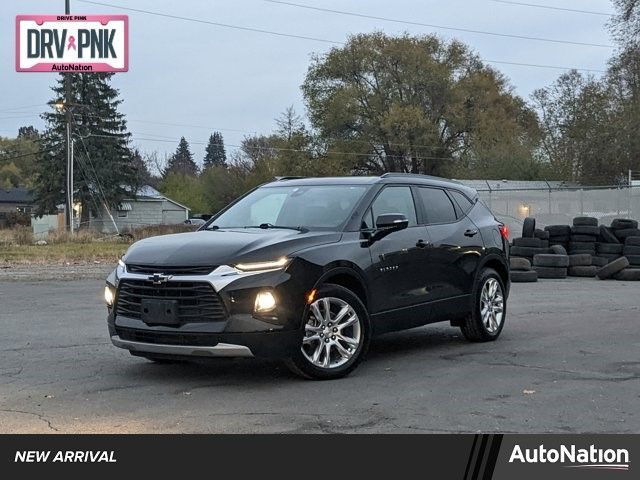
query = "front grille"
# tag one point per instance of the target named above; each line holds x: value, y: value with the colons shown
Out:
x: 167, y: 338
x: 197, y: 301
x: 170, y: 270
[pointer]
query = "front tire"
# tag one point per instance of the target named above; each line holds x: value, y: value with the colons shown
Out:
x: 336, y: 335
x: 489, y: 309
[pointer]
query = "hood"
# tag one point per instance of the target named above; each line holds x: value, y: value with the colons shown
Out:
x: 223, y: 247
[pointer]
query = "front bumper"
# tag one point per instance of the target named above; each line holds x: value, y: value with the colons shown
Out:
x: 219, y: 350
x: 240, y: 332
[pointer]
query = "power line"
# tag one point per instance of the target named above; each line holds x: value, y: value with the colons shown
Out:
x: 208, y: 22
x: 334, y: 42
x: 550, y: 7
x: 442, y: 27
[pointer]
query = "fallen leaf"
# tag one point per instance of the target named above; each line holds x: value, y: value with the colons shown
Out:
x: 528, y: 392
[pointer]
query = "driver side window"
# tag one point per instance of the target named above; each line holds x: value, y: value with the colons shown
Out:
x: 395, y: 200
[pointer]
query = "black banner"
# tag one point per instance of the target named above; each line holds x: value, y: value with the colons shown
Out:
x: 467, y: 457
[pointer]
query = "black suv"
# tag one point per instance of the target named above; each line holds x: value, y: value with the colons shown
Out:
x: 308, y: 269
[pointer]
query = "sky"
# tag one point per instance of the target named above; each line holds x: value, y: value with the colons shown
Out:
x: 188, y: 79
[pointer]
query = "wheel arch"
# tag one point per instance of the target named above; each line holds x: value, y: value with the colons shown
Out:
x: 499, y: 265
x: 348, y: 278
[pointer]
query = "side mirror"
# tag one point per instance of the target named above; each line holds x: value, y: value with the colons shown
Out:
x: 391, y: 222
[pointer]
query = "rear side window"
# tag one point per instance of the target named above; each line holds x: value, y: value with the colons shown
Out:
x: 462, y: 202
x: 395, y: 200
x: 437, y: 205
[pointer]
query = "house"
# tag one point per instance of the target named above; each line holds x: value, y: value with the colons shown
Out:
x: 13, y: 202
x: 146, y: 207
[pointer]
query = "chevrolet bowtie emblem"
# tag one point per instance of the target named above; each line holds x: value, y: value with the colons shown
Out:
x: 159, y: 278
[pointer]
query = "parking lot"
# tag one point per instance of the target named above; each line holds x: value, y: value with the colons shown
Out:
x: 567, y: 361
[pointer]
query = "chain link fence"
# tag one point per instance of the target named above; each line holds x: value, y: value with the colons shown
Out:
x: 559, y: 205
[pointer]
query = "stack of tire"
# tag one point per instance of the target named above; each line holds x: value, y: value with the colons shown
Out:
x: 523, y: 250
x: 551, y: 265
x: 623, y: 238
x: 609, y: 247
x: 520, y: 270
x: 559, y: 235
x: 584, y: 236
x: 532, y: 242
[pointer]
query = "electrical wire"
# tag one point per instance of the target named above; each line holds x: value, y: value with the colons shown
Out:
x: 300, y: 37
x: 551, y: 7
x: 441, y: 27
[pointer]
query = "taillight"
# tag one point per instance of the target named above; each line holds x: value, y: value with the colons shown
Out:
x: 504, y: 231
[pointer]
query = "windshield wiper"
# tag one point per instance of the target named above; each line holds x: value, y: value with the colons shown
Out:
x: 212, y: 227
x: 266, y: 226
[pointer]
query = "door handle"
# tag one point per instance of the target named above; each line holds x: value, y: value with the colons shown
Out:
x: 422, y: 244
x: 470, y: 232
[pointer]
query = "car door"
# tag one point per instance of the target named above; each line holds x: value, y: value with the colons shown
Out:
x: 397, y: 274
x: 456, y: 244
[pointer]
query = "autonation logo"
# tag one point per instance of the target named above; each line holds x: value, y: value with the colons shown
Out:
x: 573, y: 457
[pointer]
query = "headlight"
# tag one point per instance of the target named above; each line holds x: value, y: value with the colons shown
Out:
x: 121, y: 263
x: 257, y: 266
x: 265, y: 301
x: 109, y: 295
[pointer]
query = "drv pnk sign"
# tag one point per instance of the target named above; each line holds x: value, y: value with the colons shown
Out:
x: 72, y: 43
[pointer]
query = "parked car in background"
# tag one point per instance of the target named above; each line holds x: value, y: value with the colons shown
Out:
x: 309, y: 269
x: 195, y: 221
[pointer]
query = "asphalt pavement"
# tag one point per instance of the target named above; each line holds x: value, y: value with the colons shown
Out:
x: 567, y: 361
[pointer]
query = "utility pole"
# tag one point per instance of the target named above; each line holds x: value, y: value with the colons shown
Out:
x: 67, y: 110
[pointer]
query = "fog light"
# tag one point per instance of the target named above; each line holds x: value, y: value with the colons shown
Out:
x: 265, y: 302
x: 109, y: 295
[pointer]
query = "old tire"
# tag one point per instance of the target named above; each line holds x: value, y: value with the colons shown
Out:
x: 627, y: 232
x: 632, y: 241
x: 518, y: 263
x: 624, y: 223
x: 520, y: 276
x: 489, y: 309
x: 558, y: 250
x: 324, y: 354
x: 585, y: 221
x: 610, y: 269
x: 628, y: 274
x: 528, y: 252
x: 584, y: 238
x: 630, y: 250
x: 527, y: 242
x: 580, y: 260
x: 558, y: 230
x: 550, y: 272
x: 583, y: 271
x: 541, y: 234
x: 551, y: 260
x: 607, y: 235
x: 585, y: 230
x: 609, y: 248
x: 528, y: 227
x: 633, y: 260
x: 599, y: 261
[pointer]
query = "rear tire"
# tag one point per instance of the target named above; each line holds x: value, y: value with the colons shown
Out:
x: 489, y: 309
x: 336, y: 337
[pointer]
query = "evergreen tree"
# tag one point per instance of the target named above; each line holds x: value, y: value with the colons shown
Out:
x: 103, y: 167
x: 182, y: 161
x: 215, y: 156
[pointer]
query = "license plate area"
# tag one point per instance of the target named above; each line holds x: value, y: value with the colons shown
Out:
x: 159, y: 312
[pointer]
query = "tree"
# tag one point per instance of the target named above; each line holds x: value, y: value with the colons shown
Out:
x: 104, y: 173
x: 18, y: 157
x: 215, y: 154
x: 411, y: 104
x: 186, y: 189
x: 182, y: 161
x: 625, y: 25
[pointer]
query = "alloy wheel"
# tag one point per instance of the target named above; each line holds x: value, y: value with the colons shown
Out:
x: 333, y: 333
x: 491, y: 305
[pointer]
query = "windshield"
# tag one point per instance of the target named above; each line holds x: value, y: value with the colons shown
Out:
x: 311, y: 207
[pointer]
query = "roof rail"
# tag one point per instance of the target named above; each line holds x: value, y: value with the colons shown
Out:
x: 403, y: 174
x: 290, y: 177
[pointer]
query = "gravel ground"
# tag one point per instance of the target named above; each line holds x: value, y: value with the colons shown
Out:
x: 567, y: 362
x: 36, y: 272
